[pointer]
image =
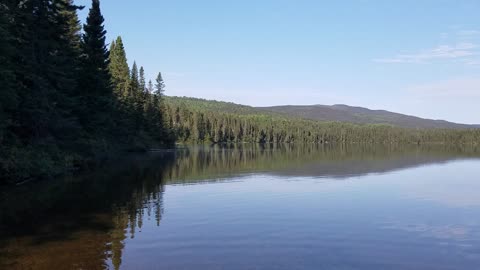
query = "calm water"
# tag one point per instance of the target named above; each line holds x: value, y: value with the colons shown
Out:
x: 252, y: 207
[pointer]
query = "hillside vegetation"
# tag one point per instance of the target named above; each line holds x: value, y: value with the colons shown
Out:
x: 359, y: 115
x: 323, y: 113
x: 68, y: 101
x: 200, y: 121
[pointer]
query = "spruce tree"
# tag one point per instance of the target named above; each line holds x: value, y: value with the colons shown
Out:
x: 95, y: 78
x: 57, y: 99
x: 135, y: 91
x: 159, y: 86
x: 66, y: 61
x: 41, y: 60
x: 150, y: 109
x: 42, y: 69
x: 68, y: 14
x: 134, y: 80
x: 150, y: 87
x: 136, y: 98
x: 143, y: 90
x: 158, y: 118
x: 36, y: 93
x: 110, y: 54
x: 119, y: 69
x: 142, y: 80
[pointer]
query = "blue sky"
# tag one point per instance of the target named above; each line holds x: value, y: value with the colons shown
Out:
x: 415, y: 57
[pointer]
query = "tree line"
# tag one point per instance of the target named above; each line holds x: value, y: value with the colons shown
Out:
x: 66, y: 99
x: 201, y: 121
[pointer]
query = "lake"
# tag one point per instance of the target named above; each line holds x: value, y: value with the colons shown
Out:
x: 253, y: 207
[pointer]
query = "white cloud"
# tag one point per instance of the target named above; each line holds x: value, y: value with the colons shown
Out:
x: 463, y: 51
x: 460, y: 46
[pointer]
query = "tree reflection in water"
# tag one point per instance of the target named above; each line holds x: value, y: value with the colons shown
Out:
x: 82, y: 222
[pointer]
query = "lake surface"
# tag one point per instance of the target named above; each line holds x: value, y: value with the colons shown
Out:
x: 253, y: 207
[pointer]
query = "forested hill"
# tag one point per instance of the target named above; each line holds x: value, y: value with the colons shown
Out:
x: 69, y: 99
x: 203, y: 121
x: 324, y: 113
x: 359, y: 115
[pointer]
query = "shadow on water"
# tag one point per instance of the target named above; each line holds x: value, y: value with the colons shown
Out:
x: 82, y: 222
x: 79, y: 222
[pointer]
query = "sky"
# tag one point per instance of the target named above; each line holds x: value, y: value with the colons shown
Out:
x: 415, y: 57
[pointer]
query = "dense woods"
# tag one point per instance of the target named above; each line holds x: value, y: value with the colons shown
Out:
x: 199, y: 121
x: 66, y: 99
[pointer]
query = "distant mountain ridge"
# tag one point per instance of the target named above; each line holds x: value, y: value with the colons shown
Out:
x: 360, y: 115
x: 329, y: 113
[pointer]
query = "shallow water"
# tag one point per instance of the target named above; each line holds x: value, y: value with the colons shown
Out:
x: 252, y: 207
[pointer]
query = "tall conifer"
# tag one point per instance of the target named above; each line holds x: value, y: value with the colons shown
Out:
x: 119, y: 69
x: 142, y: 80
x: 159, y: 86
x: 95, y: 80
x: 150, y: 87
x: 134, y: 81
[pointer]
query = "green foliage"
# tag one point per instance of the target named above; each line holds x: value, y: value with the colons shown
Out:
x: 159, y: 86
x: 200, y: 121
x: 119, y: 70
x: 96, y: 96
x: 359, y: 115
x: 65, y: 101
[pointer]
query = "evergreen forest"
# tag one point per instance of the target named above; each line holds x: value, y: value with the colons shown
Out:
x: 69, y: 99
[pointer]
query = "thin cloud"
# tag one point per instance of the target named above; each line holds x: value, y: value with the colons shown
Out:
x: 468, y: 33
x: 462, y: 50
x: 472, y: 62
x: 453, y: 88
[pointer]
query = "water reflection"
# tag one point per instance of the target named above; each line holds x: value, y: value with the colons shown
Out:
x: 81, y: 222
x: 84, y: 222
x: 207, y: 163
